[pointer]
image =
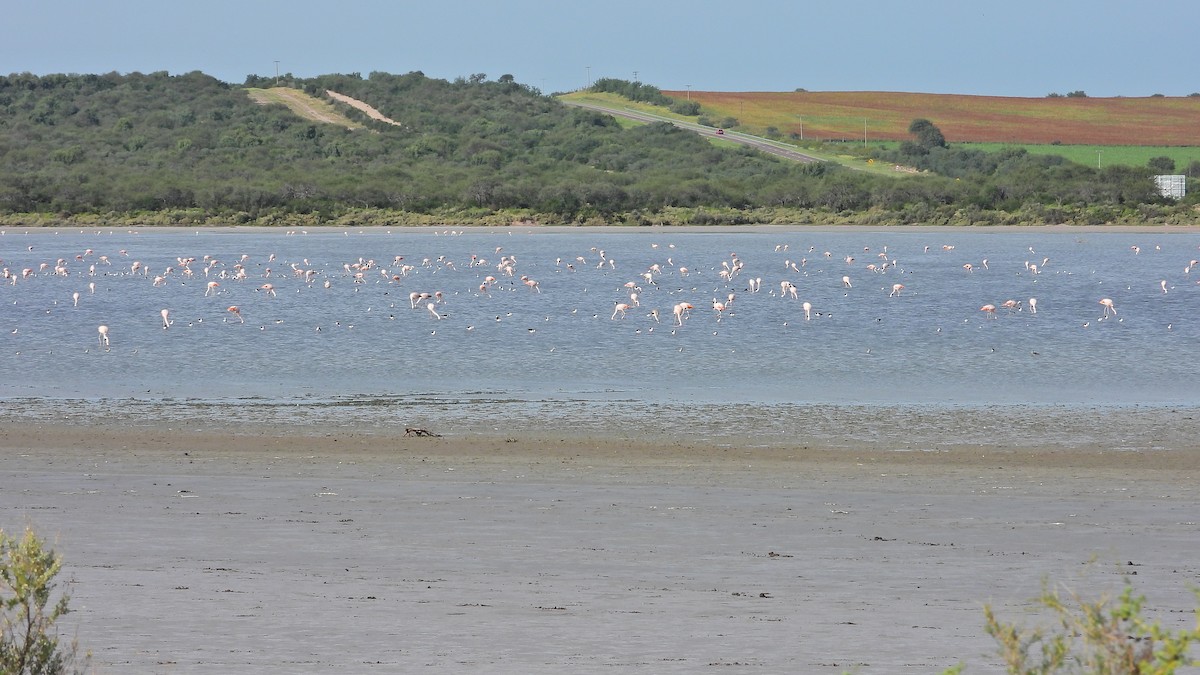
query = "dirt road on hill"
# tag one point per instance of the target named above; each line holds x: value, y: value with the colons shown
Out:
x: 304, y: 105
x: 367, y: 109
x: 762, y: 144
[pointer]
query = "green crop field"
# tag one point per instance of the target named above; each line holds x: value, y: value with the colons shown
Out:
x: 1107, y: 155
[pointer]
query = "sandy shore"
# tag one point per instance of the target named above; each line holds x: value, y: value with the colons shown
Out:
x: 292, y: 552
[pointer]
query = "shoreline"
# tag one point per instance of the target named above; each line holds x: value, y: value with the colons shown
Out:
x: 1121, y: 430
x: 160, y: 440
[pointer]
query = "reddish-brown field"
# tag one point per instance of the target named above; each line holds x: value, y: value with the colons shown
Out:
x: 965, y: 119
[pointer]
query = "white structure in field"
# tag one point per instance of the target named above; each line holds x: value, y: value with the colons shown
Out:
x: 1173, y: 186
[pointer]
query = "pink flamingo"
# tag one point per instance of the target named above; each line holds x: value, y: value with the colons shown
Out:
x: 680, y: 310
x: 896, y: 288
x: 236, y: 311
x: 103, y: 331
x: 990, y: 310
x: 620, y: 308
x: 1108, y: 306
x: 212, y: 288
x: 166, y: 321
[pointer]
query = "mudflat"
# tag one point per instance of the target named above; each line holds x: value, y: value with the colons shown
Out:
x: 293, y: 551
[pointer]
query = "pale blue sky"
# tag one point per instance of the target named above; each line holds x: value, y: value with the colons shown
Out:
x: 1007, y: 48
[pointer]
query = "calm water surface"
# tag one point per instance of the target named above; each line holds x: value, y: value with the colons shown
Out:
x: 339, y: 342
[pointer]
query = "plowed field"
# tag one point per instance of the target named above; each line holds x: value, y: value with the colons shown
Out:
x: 1158, y: 120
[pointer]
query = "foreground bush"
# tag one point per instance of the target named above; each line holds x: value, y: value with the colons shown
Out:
x: 29, y: 642
x: 1104, y: 637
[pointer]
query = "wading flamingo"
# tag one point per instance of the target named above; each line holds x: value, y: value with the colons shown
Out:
x: 166, y: 321
x: 103, y: 337
x: 236, y: 311
x: 1033, y: 305
x: 619, y: 309
x: 680, y: 310
x: 896, y: 288
x: 1108, y: 306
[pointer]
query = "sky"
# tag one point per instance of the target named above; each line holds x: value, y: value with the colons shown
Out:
x: 1026, y: 48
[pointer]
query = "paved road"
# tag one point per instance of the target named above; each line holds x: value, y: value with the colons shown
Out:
x: 765, y: 145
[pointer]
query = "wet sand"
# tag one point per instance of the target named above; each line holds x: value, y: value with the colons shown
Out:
x: 206, y: 551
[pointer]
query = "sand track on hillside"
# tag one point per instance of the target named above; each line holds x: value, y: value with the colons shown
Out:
x: 303, y: 105
x: 355, y: 103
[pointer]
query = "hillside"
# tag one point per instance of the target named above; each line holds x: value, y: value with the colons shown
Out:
x: 152, y: 142
x: 157, y: 148
x: 1163, y: 121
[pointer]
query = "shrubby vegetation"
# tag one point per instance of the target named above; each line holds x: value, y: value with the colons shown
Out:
x: 1097, y: 637
x: 634, y: 91
x: 29, y: 642
x: 189, y: 149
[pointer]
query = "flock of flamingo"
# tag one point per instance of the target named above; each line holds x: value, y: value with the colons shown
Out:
x: 664, y: 274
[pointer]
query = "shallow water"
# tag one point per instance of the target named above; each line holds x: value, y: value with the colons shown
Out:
x: 922, y: 369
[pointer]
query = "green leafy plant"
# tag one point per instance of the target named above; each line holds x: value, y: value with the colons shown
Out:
x: 1100, y: 637
x: 29, y: 641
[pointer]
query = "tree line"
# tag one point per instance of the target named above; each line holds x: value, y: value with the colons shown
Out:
x: 143, y: 143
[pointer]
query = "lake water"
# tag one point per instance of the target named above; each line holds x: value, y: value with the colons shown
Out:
x: 339, y: 343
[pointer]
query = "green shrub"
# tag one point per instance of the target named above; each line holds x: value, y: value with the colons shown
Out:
x: 1102, y: 637
x: 29, y: 642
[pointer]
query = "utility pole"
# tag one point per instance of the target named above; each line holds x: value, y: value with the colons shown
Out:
x: 689, y: 88
x: 589, y: 76
x: 276, y: 72
x: 1098, y: 152
x: 635, y: 77
x: 801, y: 127
x: 864, y: 132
